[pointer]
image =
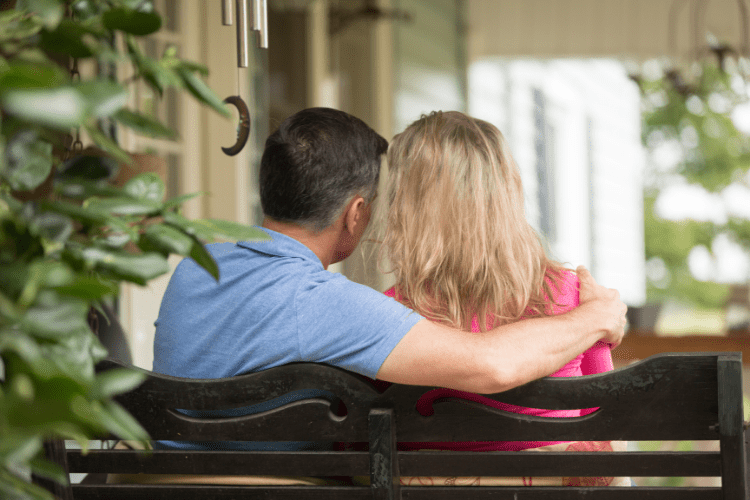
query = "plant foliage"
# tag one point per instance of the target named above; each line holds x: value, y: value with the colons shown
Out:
x: 63, y: 254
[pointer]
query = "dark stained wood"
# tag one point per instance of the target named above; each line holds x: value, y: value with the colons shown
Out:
x: 196, y: 492
x: 562, y: 493
x: 694, y: 396
x: 298, y: 463
x: 384, y: 471
x: 628, y: 399
x: 730, y: 428
x: 635, y: 464
x: 442, y: 463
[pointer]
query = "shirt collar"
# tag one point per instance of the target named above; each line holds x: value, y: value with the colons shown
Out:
x: 280, y: 245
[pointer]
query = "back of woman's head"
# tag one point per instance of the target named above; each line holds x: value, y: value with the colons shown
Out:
x: 456, y: 234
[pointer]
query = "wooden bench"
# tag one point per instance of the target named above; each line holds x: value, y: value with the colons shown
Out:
x: 666, y: 397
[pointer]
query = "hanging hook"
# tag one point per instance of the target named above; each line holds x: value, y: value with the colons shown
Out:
x: 243, y: 129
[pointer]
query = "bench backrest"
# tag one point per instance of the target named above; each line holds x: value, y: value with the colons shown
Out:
x: 666, y: 397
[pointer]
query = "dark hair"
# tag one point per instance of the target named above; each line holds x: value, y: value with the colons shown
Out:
x: 315, y: 162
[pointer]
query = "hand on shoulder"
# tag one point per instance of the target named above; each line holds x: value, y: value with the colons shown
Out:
x: 606, y: 303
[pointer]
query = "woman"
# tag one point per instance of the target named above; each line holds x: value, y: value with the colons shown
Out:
x: 464, y: 254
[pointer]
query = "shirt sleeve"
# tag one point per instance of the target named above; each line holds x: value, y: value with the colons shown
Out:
x: 597, y: 359
x: 349, y: 325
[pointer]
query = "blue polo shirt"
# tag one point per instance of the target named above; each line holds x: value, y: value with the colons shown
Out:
x: 274, y: 304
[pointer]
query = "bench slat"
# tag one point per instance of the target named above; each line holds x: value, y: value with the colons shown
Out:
x: 554, y: 493
x: 443, y: 463
x: 633, y: 402
x: 516, y: 464
x: 200, y: 492
x: 170, y: 492
x: 318, y: 463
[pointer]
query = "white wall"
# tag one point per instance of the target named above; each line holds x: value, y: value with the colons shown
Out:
x: 593, y: 113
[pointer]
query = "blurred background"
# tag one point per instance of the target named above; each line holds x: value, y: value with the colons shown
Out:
x: 629, y: 120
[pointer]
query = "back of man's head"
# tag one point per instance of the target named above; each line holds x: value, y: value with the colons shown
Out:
x: 314, y: 163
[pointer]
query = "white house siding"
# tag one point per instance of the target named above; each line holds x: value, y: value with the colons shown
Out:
x: 592, y: 124
x: 430, y: 60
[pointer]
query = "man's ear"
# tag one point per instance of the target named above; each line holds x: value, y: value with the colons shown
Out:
x: 353, y: 216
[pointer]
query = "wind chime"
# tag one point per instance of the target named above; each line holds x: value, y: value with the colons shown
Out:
x: 260, y: 24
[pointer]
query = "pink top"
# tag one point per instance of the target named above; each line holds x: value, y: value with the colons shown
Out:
x: 597, y: 359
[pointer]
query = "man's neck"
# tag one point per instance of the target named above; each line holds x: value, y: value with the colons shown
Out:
x: 321, y: 243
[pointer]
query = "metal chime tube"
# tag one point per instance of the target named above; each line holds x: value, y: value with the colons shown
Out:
x: 257, y: 14
x: 226, y: 12
x: 242, y: 41
x: 263, y: 32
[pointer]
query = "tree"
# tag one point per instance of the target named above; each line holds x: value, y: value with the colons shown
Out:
x: 62, y: 255
x: 695, y: 117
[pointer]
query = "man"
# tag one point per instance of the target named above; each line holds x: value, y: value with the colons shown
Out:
x: 275, y: 302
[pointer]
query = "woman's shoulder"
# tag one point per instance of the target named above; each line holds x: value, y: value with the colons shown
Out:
x: 565, y: 290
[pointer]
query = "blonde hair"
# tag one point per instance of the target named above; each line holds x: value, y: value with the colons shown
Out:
x: 455, y: 231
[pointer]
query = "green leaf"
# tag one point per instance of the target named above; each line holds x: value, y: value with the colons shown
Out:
x: 123, y: 227
x: 179, y: 200
x: 37, y: 57
x: 65, y: 318
x: 81, y: 188
x: 231, y: 230
x: 143, y: 124
x: 131, y: 21
x: 209, y: 229
x: 31, y: 76
x: 137, y: 268
x: 70, y: 39
x: 148, y: 69
x: 201, y: 91
x: 17, y: 25
x: 50, y: 12
x: 61, y: 108
x: 85, y: 215
x: 43, y: 274
x: 170, y: 239
x: 52, y: 226
x: 124, y: 206
x: 117, y: 381
x: 194, y: 67
x: 147, y: 186
x: 50, y: 470
x: 121, y: 423
x: 74, y: 357
x: 19, y: 449
x: 88, y: 288
x: 204, y: 259
x: 166, y: 239
x: 104, y: 98
x: 108, y: 145
x: 18, y: 489
x: 28, y: 161
x: 52, y: 273
x: 26, y: 347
